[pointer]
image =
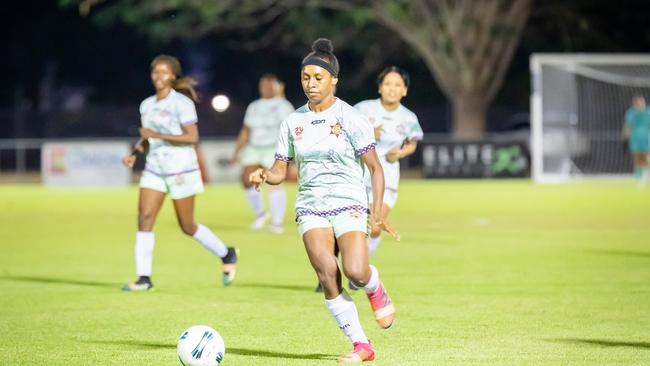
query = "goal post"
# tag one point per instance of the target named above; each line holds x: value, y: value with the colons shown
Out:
x: 578, y: 103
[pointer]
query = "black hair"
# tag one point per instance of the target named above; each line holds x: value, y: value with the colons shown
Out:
x: 322, y: 55
x: 183, y: 84
x: 401, y: 72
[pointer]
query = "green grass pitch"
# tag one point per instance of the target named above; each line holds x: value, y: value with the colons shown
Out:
x: 487, y: 273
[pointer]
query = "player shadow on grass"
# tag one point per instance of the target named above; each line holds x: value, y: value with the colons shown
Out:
x: 59, y: 281
x: 603, y: 342
x: 621, y: 253
x: 229, y: 350
x: 276, y: 286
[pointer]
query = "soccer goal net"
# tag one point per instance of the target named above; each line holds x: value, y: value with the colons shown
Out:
x: 578, y: 103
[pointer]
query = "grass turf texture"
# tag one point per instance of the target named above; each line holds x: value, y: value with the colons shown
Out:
x: 487, y: 273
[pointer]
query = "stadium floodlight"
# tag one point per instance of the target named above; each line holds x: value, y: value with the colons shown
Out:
x: 578, y: 103
x: 220, y: 103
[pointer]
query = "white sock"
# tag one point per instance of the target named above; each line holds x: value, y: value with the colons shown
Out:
x: 210, y: 241
x: 255, y: 199
x: 144, y: 242
x: 345, y: 313
x: 373, y: 282
x: 278, y: 201
x: 373, y: 243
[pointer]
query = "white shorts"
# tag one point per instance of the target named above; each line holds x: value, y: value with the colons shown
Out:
x: 390, y: 196
x: 177, y: 186
x: 342, y: 223
x: 253, y: 155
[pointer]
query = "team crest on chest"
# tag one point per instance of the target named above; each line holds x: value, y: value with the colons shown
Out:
x: 337, y: 128
x: 298, y: 132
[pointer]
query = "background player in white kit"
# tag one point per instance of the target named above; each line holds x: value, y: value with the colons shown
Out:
x: 169, y: 128
x: 330, y: 141
x: 256, y: 142
x: 397, y: 131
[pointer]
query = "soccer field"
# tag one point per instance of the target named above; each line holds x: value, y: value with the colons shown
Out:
x: 487, y: 273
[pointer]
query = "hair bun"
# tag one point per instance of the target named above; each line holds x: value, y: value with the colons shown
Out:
x: 322, y: 45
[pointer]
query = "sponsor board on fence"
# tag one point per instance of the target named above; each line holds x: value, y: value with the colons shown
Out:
x: 483, y: 159
x: 84, y: 164
x: 217, y: 155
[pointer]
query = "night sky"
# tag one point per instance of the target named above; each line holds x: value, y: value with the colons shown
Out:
x: 71, y: 78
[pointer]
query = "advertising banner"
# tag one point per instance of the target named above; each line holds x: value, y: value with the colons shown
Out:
x: 88, y: 163
x: 482, y: 159
x: 217, y: 155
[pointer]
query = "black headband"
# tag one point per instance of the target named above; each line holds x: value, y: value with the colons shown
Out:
x: 313, y: 60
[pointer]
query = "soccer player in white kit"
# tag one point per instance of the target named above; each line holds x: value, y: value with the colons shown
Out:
x: 397, y: 131
x: 257, y: 142
x: 330, y: 142
x: 169, y: 128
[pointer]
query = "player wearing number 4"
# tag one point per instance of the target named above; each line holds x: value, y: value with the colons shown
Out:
x: 397, y: 131
x: 330, y: 142
x: 169, y: 129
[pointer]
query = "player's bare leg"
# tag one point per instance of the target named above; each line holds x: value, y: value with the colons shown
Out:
x: 185, y: 215
x: 320, y: 246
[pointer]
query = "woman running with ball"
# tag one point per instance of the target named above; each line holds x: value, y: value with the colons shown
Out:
x: 330, y: 142
x: 170, y: 131
x: 397, y: 131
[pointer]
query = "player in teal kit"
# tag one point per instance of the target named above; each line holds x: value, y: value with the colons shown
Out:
x: 169, y: 128
x: 330, y: 142
x: 397, y: 131
x: 637, y: 130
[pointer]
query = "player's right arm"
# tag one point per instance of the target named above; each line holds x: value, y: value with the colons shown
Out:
x: 627, y: 131
x: 139, y: 148
x: 278, y: 172
x: 242, y: 140
x: 273, y: 176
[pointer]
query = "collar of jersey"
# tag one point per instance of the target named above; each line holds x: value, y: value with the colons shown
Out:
x: 336, y: 102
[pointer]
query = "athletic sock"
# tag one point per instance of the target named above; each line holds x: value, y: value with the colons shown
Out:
x: 373, y: 243
x: 144, y: 242
x: 278, y: 201
x: 255, y: 199
x: 345, y: 313
x: 373, y: 282
x: 210, y: 241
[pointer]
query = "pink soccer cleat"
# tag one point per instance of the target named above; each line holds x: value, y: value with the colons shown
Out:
x: 382, y: 306
x: 362, y: 352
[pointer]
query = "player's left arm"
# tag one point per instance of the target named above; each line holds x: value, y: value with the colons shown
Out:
x: 189, y: 136
x: 371, y: 160
x: 407, y: 149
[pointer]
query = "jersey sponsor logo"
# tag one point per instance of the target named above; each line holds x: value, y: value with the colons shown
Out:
x: 165, y: 113
x: 337, y: 128
x: 317, y: 121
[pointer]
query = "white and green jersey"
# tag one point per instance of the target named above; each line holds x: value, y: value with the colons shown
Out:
x: 263, y: 118
x: 327, y: 147
x: 167, y: 116
x: 396, y: 127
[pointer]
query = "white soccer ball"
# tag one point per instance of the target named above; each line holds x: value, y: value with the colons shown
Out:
x: 200, y: 345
